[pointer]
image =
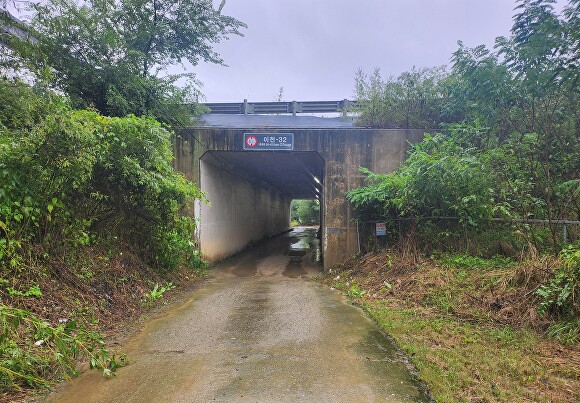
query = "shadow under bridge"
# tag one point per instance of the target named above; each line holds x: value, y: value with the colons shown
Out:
x: 250, y: 195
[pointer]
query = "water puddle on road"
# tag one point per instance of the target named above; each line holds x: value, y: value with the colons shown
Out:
x: 302, y: 245
x: 304, y: 253
x: 294, y: 254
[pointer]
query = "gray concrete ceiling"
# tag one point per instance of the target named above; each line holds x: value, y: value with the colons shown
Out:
x: 296, y: 173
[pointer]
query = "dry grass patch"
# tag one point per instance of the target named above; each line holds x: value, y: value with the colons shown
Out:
x: 468, y: 362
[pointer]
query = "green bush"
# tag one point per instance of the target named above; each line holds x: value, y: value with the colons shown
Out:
x: 448, y: 190
x: 562, y: 294
x: 71, y: 177
x: 438, y: 179
x: 32, y: 350
x: 561, y: 297
x: 414, y: 99
x: 462, y: 261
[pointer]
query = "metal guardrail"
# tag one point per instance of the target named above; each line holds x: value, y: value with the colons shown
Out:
x: 294, y: 107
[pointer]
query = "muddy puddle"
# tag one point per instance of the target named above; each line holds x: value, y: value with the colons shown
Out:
x: 295, y: 254
x: 260, y: 331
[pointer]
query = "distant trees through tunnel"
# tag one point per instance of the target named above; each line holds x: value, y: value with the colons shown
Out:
x: 304, y: 212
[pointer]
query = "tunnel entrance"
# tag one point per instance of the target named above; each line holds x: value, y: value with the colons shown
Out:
x: 250, y: 195
x: 244, y: 185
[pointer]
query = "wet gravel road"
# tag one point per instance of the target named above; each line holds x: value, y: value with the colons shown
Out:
x: 260, y: 331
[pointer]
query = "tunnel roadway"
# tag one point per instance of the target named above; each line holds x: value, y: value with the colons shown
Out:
x: 259, y: 331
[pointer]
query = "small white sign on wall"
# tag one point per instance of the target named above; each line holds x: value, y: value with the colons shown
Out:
x: 381, y: 229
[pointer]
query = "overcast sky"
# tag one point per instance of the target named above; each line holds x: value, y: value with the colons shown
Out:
x: 313, y: 48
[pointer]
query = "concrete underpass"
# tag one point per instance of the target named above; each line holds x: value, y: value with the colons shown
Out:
x: 250, y: 195
x: 250, y: 191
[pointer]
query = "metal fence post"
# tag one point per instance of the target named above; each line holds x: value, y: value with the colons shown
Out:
x: 357, y: 236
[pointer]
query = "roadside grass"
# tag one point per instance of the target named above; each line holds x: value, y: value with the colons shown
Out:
x: 471, y: 326
x: 467, y: 362
x: 61, y: 310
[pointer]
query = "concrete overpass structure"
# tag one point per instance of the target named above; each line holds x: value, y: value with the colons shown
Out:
x: 250, y: 186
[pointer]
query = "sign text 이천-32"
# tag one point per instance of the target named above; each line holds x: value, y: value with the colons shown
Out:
x: 268, y: 141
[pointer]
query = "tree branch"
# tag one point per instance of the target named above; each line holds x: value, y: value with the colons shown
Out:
x: 150, y: 41
x: 221, y: 7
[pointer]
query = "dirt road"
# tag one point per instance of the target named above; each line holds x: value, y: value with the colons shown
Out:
x: 260, y: 331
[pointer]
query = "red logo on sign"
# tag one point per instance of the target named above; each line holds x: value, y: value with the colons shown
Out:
x: 251, y: 141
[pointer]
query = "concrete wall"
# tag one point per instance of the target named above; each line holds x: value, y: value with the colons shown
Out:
x: 343, y: 150
x: 240, y: 212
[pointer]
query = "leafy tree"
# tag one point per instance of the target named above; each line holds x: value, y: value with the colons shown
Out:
x: 412, y: 100
x: 512, y: 111
x: 113, y: 55
x: 538, y: 56
x: 305, y: 212
x: 483, y: 90
x: 570, y: 49
x: 438, y: 179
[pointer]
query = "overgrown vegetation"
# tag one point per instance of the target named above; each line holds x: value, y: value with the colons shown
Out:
x: 414, y: 99
x: 75, y: 177
x: 484, y: 195
x: 472, y: 326
x: 74, y: 180
x: 561, y: 297
x: 92, y: 215
x: 54, y: 350
x: 508, y: 135
x: 506, y: 148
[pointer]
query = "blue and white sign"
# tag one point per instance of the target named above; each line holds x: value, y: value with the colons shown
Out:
x: 381, y: 229
x: 268, y: 141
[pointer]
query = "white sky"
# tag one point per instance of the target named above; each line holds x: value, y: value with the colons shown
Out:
x: 313, y: 48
